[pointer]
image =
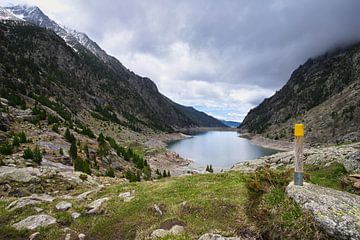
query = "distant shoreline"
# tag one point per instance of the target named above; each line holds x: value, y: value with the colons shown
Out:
x: 268, y: 143
x: 206, y: 129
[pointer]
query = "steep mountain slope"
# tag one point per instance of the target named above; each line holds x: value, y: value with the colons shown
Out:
x: 170, y: 113
x: 323, y: 93
x: 6, y: 15
x: 35, y: 62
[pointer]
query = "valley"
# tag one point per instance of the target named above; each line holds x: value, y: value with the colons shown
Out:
x: 89, y: 149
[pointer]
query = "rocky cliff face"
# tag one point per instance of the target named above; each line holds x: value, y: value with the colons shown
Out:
x: 323, y: 93
x: 77, y: 73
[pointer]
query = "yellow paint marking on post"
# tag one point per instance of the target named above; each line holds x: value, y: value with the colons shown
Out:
x: 299, y: 156
x: 299, y: 130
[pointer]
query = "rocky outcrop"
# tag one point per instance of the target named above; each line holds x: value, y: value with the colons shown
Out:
x: 26, y: 175
x: 336, y: 212
x: 35, y: 221
x: 348, y: 155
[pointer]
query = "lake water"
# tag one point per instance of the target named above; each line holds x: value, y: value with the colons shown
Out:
x: 219, y: 148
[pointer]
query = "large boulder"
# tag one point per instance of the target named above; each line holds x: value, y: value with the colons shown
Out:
x: 25, y: 175
x: 336, y: 212
x: 34, y: 222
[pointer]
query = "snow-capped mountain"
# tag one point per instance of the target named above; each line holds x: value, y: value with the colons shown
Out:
x: 72, y: 37
x: 6, y: 15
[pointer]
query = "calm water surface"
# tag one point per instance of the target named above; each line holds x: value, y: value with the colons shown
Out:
x: 219, y: 148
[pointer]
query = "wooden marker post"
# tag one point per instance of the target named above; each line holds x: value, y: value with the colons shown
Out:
x: 299, y: 157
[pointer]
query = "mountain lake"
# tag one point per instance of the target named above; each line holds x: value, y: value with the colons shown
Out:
x: 222, y: 149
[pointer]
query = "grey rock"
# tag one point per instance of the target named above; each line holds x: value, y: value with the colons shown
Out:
x: 95, y: 206
x: 68, y: 236
x: 21, y: 203
x: 25, y: 175
x: 75, y: 215
x: 30, y: 200
x: 127, y: 196
x: 35, y: 221
x: 212, y: 236
x: 34, y: 236
x: 160, y: 233
x: 336, y: 212
x: 158, y: 210
x: 84, y: 195
x: 352, y: 163
x: 63, y: 206
x: 82, y: 236
x: 38, y: 210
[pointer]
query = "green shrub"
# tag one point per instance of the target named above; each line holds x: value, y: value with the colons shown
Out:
x: 52, y: 119
x: 37, y: 155
x: 61, y: 151
x: 55, y: 128
x: 28, y: 154
x: 6, y: 149
x: 132, y: 176
x: 83, y: 177
x: 110, y: 172
x: 16, y: 141
x: 22, y: 138
x: 82, y: 166
x: 87, y: 132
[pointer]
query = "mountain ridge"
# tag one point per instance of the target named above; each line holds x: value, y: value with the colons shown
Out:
x: 322, y: 93
x: 169, y: 112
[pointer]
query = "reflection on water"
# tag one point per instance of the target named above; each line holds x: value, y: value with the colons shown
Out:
x: 219, y: 148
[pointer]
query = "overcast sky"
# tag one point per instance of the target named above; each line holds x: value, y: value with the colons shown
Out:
x: 223, y: 57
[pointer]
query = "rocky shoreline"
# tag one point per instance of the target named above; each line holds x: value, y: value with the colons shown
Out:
x: 268, y: 143
x: 348, y: 155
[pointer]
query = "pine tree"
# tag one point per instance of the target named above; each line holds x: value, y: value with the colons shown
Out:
x: 168, y: 174
x: 69, y: 137
x: 207, y: 168
x: 73, y: 151
x: 86, y: 150
x: 164, y: 174
x: 101, y: 139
